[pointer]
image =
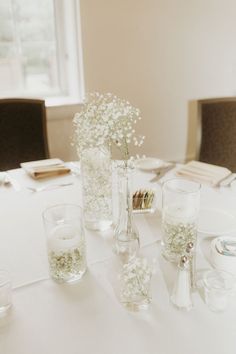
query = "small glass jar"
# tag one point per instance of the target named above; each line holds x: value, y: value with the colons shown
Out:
x: 218, y: 286
x: 135, y: 284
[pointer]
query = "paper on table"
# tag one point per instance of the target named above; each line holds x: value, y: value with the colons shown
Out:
x: 45, y: 168
x: 204, y: 172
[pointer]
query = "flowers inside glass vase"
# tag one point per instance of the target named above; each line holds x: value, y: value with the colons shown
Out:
x: 104, y: 121
x: 135, y: 283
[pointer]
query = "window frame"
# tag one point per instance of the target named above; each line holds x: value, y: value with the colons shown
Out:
x: 69, y: 49
x: 69, y: 56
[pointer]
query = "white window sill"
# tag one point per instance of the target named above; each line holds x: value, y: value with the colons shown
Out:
x: 62, y: 108
x: 62, y: 101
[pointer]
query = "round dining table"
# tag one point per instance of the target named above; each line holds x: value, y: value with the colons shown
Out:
x: 87, y: 317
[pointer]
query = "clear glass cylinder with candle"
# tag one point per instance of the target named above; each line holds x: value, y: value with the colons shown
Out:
x: 180, y: 209
x: 65, y: 242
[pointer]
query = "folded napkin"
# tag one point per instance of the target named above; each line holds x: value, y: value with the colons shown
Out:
x: 45, y: 168
x: 204, y: 172
x: 4, y: 179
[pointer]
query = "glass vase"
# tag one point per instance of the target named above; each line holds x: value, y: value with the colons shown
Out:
x: 135, y: 284
x: 126, y: 233
x: 65, y: 242
x: 96, y: 171
x: 180, y: 207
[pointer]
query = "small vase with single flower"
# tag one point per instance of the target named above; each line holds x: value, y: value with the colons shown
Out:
x: 126, y: 243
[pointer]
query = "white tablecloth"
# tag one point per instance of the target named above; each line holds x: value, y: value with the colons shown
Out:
x: 87, y: 317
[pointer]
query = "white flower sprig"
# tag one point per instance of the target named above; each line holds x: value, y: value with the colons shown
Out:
x: 105, y: 118
x: 136, y: 277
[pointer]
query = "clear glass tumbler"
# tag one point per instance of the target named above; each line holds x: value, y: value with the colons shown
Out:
x: 180, y: 209
x: 66, y: 242
x: 219, y: 286
x: 5, y: 291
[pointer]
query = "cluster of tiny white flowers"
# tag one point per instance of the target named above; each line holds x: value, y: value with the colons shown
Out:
x: 105, y: 118
x: 136, y: 276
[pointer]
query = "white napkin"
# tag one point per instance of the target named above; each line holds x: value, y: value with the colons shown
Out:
x: 204, y: 172
x: 45, y: 168
x: 4, y: 179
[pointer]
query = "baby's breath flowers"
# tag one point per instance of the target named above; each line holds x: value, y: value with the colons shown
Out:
x: 68, y: 263
x: 106, y: 118
x: 136, y: 278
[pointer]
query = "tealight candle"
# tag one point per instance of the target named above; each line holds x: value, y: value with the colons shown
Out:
x: 177, y: 213
x: 62, y: 238
x: 66, y: 243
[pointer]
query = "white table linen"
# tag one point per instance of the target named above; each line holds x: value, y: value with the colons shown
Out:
x: 86, y: 317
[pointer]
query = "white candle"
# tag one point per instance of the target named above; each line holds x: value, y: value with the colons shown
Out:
x: 175, y: 214
x: 63, y: 237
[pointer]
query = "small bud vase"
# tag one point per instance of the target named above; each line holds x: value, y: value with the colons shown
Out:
x: 126, y: 234
x: 96, y: 171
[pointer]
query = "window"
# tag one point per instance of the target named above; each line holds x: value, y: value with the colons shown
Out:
x: 40, y: 50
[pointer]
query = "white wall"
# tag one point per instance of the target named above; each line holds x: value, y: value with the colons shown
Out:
x: 60, y: 132
x: 160, y: 55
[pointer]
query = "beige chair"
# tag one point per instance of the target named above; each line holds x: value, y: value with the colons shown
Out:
x: 23, y: 135
x: 218, y: 132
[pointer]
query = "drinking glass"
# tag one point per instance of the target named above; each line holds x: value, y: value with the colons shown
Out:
x: 180, y: 209
x: 219, y: 286
x: 5, y: 291
x: 65, y: 242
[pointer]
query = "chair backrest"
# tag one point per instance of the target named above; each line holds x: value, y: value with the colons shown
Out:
x: 218, y: 132
x: 23, y: 135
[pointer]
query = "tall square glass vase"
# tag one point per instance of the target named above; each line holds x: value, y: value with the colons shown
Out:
x: 96, y: 171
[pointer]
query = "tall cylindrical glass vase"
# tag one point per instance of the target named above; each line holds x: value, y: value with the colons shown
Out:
x: 96, y: 170
x: 180, y: 208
